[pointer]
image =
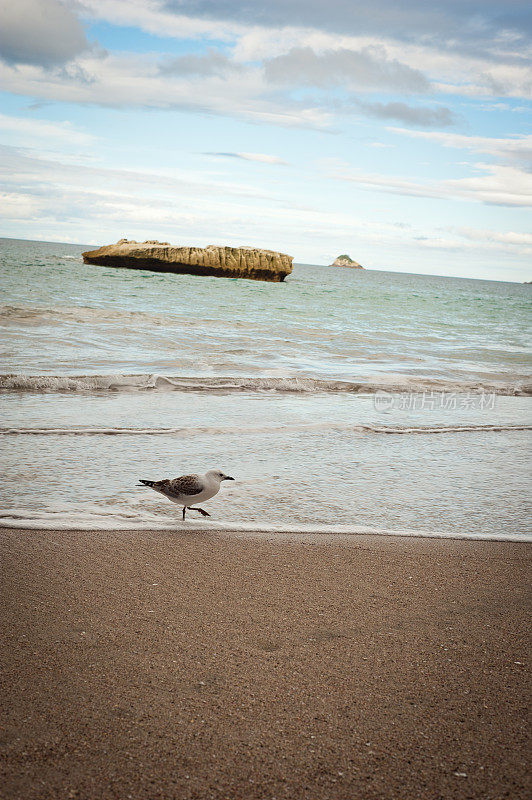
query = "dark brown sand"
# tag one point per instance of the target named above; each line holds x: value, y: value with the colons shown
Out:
x: 201, y: 665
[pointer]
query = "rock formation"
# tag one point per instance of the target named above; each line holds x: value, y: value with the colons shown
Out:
x: 228, y: 262
x: 346, y: 261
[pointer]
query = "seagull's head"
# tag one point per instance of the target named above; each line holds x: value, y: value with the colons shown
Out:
x: 218, y: 475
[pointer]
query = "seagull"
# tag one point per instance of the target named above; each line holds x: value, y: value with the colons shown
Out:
x: 190, y: 489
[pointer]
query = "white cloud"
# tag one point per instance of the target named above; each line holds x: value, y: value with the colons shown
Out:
x: 366, y: 69
x: 263, y: 158
x: 133, y: 80
x: 154, y: 192
x: 44, y: 32
x: 19, y: 207
x: 496, y: 185
x: 210, y: 84
x: 58, y: 201
x: 514, y: 148
x: 508, y: 182
x: 152, y: 16
x: 502, y: 67
x: 31, y: 131
x: 512, y: 238
x: 476, y: 26
x: 423, y: 116
x: 235, y: 82
x: 211, y: 63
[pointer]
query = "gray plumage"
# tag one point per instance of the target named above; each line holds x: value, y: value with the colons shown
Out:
x: 189, y: 489
x: 187, y: 485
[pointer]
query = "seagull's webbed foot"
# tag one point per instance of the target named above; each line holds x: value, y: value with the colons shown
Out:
x: 204, y: 513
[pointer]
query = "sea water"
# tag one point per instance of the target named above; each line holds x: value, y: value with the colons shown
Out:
x: 340, y: 400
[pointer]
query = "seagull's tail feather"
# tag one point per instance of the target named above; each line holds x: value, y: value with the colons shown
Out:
x: 151, y: 484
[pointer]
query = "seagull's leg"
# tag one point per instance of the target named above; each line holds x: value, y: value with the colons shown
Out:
x: 200, y: 510
x: 184, y: 511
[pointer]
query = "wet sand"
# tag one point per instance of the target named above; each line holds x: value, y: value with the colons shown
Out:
x: 203, y: 665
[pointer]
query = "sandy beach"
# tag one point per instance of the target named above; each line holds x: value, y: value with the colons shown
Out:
x: 205, y: 665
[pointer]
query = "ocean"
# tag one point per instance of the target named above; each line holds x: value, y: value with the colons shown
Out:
x: 340, y: 400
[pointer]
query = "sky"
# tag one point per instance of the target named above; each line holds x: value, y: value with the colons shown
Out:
x: 399, y: 133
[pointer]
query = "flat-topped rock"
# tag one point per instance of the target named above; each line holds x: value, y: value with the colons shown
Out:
x: 227, y: 262
x: 346, y: 261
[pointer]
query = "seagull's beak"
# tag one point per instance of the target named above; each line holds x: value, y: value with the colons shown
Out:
x: 228, y: 478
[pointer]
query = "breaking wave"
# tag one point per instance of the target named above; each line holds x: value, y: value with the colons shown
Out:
x: 144, y: 381
x: 37, y: 315
x: 126, y: 520
x: 213, y: 431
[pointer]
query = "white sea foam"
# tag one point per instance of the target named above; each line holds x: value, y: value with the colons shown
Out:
x: 121, y: 520
x: 258, y: 429
x: 146, y: 381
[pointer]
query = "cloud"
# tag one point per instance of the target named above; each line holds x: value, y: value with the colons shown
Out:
x: 477, y: 27
x: 39, y: 130
x: 514, y: 149
x: 501, y: 83
x: 460, y: 47
x: 211, y: 63
x: 368, y: 69
x: 210, y: 83
x: 508, y: 182
x: 495, y: 185
x: 133, y: 80
x: 260, y: 157
x: 44, y: 32
x: 37, y: 175
x: 511, y: 238
x: 154, y: 17
x: 48, y: 199
x: 461, y: 244
x: 440, y: 117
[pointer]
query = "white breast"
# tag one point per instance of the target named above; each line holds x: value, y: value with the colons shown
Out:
x: 212, y: 487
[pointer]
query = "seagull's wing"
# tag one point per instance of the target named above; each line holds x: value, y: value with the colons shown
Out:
x: 185, y: 485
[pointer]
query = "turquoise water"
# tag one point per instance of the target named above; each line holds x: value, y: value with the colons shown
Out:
x: 327, y: 323
x: 338, y: 398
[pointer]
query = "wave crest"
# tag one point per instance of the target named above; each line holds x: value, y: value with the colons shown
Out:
x: 128, y: 519
x: 310, y: 427
x: 145, y: 381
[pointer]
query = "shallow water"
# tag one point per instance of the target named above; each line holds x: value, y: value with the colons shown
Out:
x: 336, y: 399
x: 61, y: 316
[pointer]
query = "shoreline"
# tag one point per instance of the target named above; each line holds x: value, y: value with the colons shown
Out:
x: 205, y: 665
x: 329, y: 533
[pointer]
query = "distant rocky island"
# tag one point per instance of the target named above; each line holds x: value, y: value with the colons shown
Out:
x: 346, y: 261
x: 227, y: 262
